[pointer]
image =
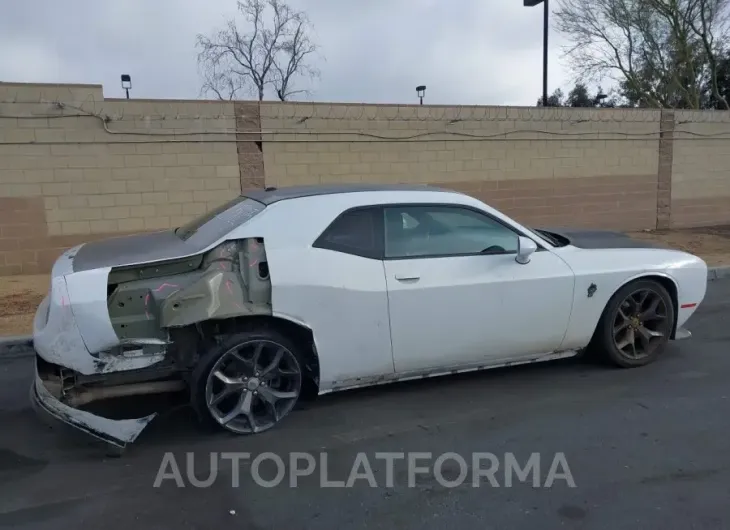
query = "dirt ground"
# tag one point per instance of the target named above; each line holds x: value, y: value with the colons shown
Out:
x: 19, y: 298
x: 20, y: 295
x: 711, y: 244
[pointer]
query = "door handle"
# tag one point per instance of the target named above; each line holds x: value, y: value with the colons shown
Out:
x: 406, y: 277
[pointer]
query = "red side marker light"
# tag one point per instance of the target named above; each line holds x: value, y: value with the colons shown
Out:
x: 688, y: 306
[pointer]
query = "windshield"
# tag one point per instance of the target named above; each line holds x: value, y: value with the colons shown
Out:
x: 219, y: 221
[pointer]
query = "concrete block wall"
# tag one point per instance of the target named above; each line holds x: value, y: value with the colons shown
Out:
x: 701, y: 169
x: 584, y: 167
x: 75, y: 166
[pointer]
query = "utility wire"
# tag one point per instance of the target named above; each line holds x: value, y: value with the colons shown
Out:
x: 426, y: 136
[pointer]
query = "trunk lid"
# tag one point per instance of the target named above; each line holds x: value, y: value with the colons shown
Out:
x: 131, y: 250
x: 188, y: 240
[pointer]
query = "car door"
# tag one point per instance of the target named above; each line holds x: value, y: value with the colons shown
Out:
x: 457, y: 296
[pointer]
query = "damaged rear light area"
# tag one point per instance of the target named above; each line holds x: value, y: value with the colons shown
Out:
x: 159, y: 316
x: 126, y: 318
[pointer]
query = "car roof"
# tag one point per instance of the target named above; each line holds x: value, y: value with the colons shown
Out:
x: 271, y: 195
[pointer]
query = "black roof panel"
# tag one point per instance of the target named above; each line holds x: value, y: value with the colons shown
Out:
x: 272, y: 195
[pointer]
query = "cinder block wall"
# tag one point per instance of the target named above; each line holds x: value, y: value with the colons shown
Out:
x: 75, y: 166
x: 701, y: 169
x: 582, y: 167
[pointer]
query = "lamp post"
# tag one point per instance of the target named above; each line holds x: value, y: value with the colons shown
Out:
x: 126, y: 83
x: 533, y: 3
x: 421, y: 91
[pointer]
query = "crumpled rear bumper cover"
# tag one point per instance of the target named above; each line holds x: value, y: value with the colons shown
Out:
x: 118, y: 433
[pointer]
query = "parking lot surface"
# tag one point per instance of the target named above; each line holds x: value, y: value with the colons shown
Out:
x: 647, y: 448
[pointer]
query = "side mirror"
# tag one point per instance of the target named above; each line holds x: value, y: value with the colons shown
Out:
x: 525, y: 248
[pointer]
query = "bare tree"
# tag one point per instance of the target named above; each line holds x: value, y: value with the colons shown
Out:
x: 273, y: 53
x: 662, y: 52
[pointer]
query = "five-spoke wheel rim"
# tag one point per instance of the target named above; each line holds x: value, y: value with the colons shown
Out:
x: 641, y: 324
x: 252, y: 386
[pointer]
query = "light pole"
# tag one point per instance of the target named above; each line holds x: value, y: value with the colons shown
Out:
x: 126, y: 83
x: 421, y: 91
x: 533, y: 3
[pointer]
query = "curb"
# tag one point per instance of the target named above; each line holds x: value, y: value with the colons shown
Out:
x: 13, y: 347
x: 22, y: 346
x: 717, y: 273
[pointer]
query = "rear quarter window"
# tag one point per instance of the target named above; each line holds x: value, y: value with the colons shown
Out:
x: 358, y: 232
x: 218, y: 222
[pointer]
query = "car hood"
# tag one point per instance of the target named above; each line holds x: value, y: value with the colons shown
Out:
x: 131, y: 250
x: 600, y: 239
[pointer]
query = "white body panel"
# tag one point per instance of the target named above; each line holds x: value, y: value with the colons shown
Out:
x: 476, y: 309
x: 344, y: 301
x: 610, y: 269
x: 90, y: 309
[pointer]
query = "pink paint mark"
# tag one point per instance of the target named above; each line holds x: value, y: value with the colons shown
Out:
x: 228, y: 286
x: 252, y: 265
x: 146, y: 301
x: 223, y: 265
x: 161, y: 287
x: 63, y: 301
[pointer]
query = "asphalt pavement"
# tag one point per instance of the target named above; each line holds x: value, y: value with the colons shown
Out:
x: 646, y: 448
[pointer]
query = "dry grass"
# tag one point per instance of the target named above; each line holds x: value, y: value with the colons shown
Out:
x: 20, y: 295
x: 19, y: 298
x: 712, y: 244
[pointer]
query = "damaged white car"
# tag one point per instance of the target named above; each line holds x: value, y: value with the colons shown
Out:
x: 338, y: 287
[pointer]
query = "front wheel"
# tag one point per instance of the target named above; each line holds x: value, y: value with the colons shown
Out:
x: 249, y: 382
x: 636, y: 325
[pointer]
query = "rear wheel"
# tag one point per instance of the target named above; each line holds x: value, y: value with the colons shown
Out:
x: 636, y: 325
x: 249, y: 382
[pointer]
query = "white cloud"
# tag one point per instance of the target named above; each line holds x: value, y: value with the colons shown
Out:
x: 465, y: 51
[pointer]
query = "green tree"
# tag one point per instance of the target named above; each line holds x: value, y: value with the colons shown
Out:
x: 723, y: 84
x: 662, y: 53
x: 554, y: 100
x: 578, y: 97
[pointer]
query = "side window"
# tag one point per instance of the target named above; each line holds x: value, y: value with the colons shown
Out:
x: 433, y: 231
x: 358, y: 232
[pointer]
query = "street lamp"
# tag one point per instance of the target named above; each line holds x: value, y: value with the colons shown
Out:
x: 421, y: 91
x: 126, y: 83
x: 533, y: 3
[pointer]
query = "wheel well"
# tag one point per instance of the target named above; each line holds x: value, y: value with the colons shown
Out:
x: 671, y: 288
x: 301, y: 335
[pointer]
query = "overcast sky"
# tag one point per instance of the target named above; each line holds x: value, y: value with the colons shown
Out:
x: 465, y: 51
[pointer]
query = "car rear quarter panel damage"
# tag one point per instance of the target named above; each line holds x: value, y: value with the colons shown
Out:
x: 113, y: 319
x: 232, y: 280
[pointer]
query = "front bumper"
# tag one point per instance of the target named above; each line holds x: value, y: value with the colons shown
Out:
x: 118, y: 433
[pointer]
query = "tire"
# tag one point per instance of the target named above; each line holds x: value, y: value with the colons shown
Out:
x: 247, y: 385
x: 610, y: 336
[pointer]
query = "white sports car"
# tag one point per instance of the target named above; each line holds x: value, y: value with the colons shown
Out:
x: 330, y: 288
